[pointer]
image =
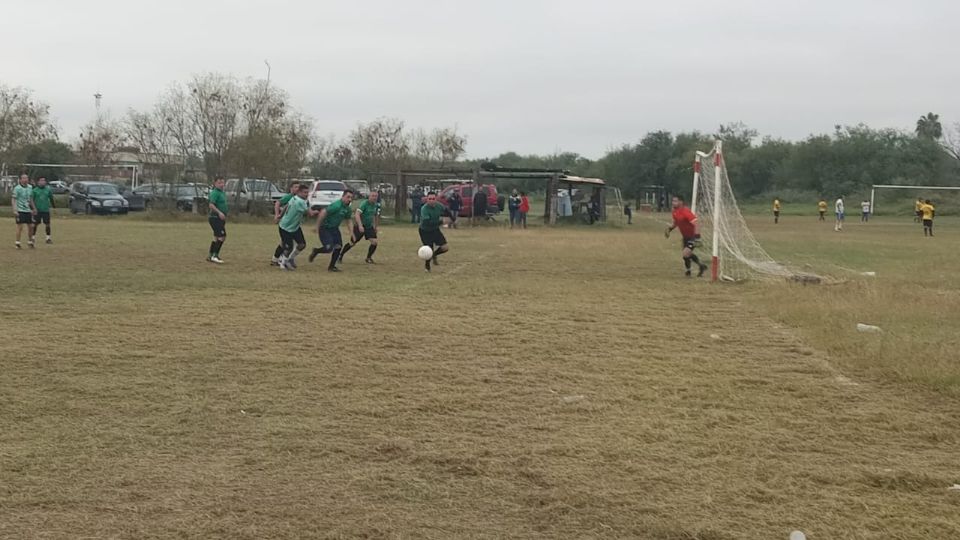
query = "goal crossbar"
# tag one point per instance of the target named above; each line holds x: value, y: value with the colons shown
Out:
x: 875, y: 187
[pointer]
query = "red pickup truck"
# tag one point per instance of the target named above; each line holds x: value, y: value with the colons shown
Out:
x: 495, y: 202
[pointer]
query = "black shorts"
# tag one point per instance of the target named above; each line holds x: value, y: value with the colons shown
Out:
x: 368, y: 232
x: 432, y: 238
x: 330, y: 239
x: 219, y: 227
x: 290, y: 238
x: 23, y: 218
x: 928, y: 223
x: 776, y: 213
x: 690, y: 243
x: 42, y: 217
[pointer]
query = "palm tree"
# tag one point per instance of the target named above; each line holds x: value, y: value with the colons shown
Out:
x: 928, y: 127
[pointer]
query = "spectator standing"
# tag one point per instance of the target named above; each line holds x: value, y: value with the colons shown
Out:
x: 416, y: 200
x: 524, y: 209
x: 455, y: 201
x: 514, y: 205
x: 479, y: 205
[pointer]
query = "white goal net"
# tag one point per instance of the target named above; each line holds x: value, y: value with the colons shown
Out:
x: 736, y: 253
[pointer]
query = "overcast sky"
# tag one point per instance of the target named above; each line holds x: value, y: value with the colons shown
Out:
x: 534, y: 76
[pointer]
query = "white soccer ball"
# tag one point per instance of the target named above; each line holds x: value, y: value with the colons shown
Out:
x: 425, y: 253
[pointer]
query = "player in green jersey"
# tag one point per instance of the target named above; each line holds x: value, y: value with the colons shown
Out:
x: 23, y: 208
x: 217, y: 219
x: 328, y: 225
x: 431, y: 217
x: 365, y: 226
x: 290, y: 231
x: 42, y: 202
x: 278, y: 209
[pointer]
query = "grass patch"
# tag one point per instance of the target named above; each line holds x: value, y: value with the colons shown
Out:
x: 542, y: 383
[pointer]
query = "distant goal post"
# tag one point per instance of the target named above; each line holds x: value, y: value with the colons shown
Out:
x: 875, y: 187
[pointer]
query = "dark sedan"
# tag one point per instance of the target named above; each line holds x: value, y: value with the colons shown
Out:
x: 96, y: 198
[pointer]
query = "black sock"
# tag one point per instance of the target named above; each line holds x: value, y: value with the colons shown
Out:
x: 345, y: 249
x: 371, y: 250
x: 686, y: 262
x: 278, y: 252
x: 695, y: 259
x: 219, y: 244
x: 334, y: 258
x: 48, y: 230
x: 213, y: 248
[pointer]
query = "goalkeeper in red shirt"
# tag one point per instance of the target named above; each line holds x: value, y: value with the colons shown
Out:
x: 685, y: 220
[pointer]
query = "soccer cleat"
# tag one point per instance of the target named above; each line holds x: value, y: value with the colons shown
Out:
x: 49, y: 240
x: 333, y: 269
x: 369, y: 261
x: 19, y: 246
x: 687, y: 273
x: 216, y: 260
x: 703, y: 268
x: 313, y: 254
x: 275, y: 262
x: 31, y: 244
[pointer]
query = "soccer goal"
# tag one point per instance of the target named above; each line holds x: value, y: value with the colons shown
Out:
x: 736, y: 253
x: 875, y: 187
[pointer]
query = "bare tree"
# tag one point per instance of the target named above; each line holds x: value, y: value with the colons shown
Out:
x: 215, y: 111
x: 98, y: 141
x: 381, y: 144
x: 174, y: 109
x: 153, y: 138
x: 23, y: 120
x: 449, y: 144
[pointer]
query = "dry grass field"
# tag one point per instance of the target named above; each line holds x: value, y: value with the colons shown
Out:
x: 558, y: 383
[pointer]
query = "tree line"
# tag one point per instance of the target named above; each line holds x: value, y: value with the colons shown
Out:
x: 216, y: 124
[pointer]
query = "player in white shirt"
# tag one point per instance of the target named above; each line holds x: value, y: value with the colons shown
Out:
x: 865, y: 211
x: 838, y: 208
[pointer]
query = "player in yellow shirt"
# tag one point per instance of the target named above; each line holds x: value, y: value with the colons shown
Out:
x: 776, y: 210
x: 822, y: 208
x: 927, y: 211
x: 916, y: 210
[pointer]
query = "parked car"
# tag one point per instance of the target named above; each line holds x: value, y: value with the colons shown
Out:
x: 324, y: 192
x: 247, y: 191
x: 97, y: 198
x: 495, y: 202
x: 149, y: 192
x: 359, y: 187
x: 136, y: 200
x: 59, y: 187
x: 184, y: 196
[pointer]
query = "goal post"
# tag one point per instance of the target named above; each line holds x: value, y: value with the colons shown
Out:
x: 736, y: 254
x: 875, y: 187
